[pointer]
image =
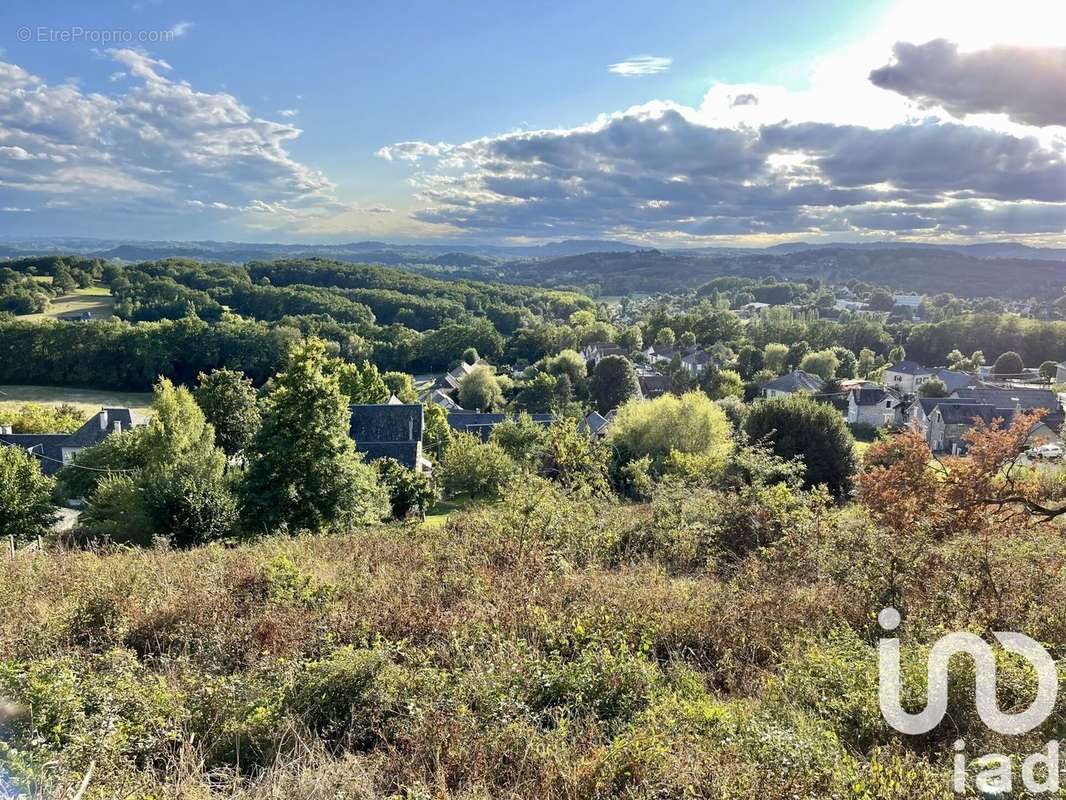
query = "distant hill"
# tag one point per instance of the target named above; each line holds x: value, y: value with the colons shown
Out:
x: 929, y: 270
x: 1000, y: 269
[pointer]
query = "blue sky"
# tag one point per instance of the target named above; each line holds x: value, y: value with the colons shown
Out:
x: 505, y: 122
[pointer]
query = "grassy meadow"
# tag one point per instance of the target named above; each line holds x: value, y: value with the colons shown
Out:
x: 548, y: 646
x: 87, y: 400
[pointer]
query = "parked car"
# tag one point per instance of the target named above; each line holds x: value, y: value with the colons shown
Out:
x: 1049, y: 451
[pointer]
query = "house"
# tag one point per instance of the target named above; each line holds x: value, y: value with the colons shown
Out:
x: 450, y: 380
x: 597, y: 350
x: 790, y: 383
x: 439, y: 397
x: 952, y: 379
x: 481, y: 423
x: 389, y: 430
x: 694, y: 360
x: 919, y: 410
x: 662, y: 353
x: 654, y: 385
x: 1016, y: 399
x: 908, y: 301
x: 949, y: 421
x: 56, y: 450
x: 875, y: 406
x: 594, y: 424
x: 1060, y: 372
x: 903, y: 376
x: 753, y: 309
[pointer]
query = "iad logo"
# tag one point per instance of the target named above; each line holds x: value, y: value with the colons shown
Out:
x: 998, y: 778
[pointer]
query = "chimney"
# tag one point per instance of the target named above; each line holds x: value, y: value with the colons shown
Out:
x: 117, y: 427
x: 103, y: 420
x: 5, y: 430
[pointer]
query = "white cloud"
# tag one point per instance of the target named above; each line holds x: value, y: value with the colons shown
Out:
x: 288, y: 112
x: 638, y: 66
x: 179, y: 30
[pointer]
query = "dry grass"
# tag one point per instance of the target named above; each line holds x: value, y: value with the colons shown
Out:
x: 96, y: 299
x: 543, y: 648
x: 87, y: 400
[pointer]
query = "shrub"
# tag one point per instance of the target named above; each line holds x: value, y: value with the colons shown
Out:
x: 26, y: 509
x: 410, y: 492
x: 691, y: 425
x: 470, y: 467
x: 798, y: 426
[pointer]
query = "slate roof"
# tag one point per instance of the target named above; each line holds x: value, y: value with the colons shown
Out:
x: 652, y: 386
x: 795, y: 381
x: 907, y: 368
x: 45, y: 447
x: 48, y: 447
x: 102, y: 423
x: 873, y: 395
x: 953, y: 380
x: 481, y: 423
x: 392, y: 430
x: 964, y: 413
x: 929, y: 403
x: 593, y: 423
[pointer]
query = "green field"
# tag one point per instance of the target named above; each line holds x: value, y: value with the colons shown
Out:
x: 96, y: 299
x: 88, y: 400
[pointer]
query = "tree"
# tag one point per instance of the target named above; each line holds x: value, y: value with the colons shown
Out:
x: 665, y: 337
x: 231, y: 406
x: 846, y: 362
x: 880, y: 300
x: 569, y: 363
x: 866, y: 363
x: 410, y: 492
x: 823, y: 363
x: 1009, y: 364
x: 631, y: 339
x: 26, y: 509
x: 361, y: 383
x: 573, y: 459
x: 775, y: 357
x: 304, y: 471
x: 897, y: 354
x: 480, y: 390
x: 436, y: 432
x: 521, y: 438
x: 175, y: 485
x: 470, y: 356
x: 474, y: 469
x: 1048, y: 370
x: 537, y: 396
x: 692, y: 424
x: 797, y: 425
x: 401, y: 385
x: 614, y: 381
x: 688, y: 339
x: 796, y: 352
x: 932, y: 387
x: 723, y: 383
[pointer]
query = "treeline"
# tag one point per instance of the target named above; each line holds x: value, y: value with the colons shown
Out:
x: 1035, y: 341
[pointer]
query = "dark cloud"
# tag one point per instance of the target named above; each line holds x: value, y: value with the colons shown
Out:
x: 1026, y: 83
x: 665, y: 171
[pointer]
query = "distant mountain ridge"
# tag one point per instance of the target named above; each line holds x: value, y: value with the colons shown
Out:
x: 993, y: 269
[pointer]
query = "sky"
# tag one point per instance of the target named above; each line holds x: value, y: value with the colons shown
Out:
x: 687, y: 123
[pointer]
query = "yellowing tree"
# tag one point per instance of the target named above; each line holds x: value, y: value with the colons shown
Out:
x: 670, y: 427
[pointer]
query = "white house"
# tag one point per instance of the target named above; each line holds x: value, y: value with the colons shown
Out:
x: 903, y: 376
x: 875, y: 406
